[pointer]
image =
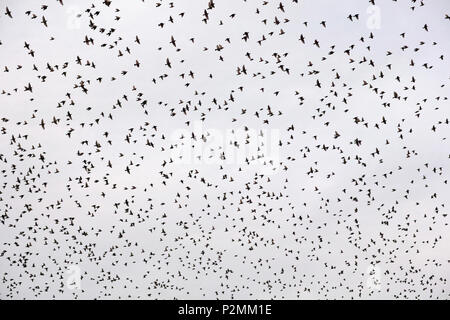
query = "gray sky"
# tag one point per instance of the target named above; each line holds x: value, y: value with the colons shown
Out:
x: 325, y: 218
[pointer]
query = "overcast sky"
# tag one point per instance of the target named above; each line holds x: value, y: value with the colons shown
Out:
x: 314, y: 216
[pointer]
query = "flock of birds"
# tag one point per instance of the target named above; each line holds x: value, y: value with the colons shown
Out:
x: 345, y: 195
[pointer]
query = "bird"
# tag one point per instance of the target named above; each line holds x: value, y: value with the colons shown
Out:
x: 258, y: 150
x: 8, y: 13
